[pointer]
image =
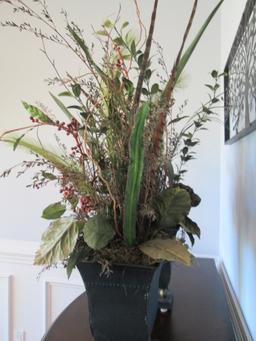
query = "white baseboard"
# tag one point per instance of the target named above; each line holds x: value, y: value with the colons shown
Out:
x: 240, y: 326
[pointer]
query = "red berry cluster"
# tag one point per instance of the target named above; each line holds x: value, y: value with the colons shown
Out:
x: 71, y: 128
x: 86, y: 204
x: 67, y: 191
x: 76, y: 149
x: 34, y: 120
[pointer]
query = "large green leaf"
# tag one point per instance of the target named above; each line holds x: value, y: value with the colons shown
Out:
x: 57, y: 242
x: 54, y: 211
x: 166, y: 249
x: 36, y: 113
x: 98, y: 231
x: 187, y: 54
x: 173, y: 205
x: 195, y: 199
x: 135, y: 171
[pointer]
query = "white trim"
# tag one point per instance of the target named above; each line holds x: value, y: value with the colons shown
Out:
x: 5, y: 307
x: 49, y: 285
x: 17, y: 251
x: 240, y: 326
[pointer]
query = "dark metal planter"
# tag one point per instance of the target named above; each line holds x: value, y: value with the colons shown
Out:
x: 122, y: 306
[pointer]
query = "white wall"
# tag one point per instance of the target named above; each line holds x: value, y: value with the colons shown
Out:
x: 238, y: 193
x: 29, y: 303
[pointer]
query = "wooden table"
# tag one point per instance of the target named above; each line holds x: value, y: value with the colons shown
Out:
x: 200, y: 311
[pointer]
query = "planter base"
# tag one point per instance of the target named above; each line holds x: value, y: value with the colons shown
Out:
x: 122, y: 306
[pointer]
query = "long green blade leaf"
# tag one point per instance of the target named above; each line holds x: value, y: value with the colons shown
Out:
x: 134, y: 175
x: 62, y: 107
x: 187, y: 54
x: 55, y: 159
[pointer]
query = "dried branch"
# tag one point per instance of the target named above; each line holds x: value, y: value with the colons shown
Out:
x: 137, y: 95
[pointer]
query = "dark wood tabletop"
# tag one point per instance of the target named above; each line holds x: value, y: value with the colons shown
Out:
x: 200, y: 311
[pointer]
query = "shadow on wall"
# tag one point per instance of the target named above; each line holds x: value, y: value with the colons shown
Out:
x: 244, y: 223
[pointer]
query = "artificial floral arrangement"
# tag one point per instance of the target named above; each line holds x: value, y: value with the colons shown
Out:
x: 123, y: 199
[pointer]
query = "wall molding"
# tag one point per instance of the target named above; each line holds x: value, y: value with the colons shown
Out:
x: 5, y: 307
x: 238, y: 320
x: 49, y: 287
x: 17, y: 251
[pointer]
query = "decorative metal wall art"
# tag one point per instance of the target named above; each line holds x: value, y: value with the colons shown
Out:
x: 240, y: 79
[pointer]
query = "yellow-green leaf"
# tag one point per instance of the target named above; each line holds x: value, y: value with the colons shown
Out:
x: 57, y: 242
x: 166, y: 249
x: 36, y: 113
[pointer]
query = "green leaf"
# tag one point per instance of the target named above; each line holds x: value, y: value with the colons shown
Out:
x: 144, y: 91
x: 76, y: 88
x: 36, y: 113
x: 102, y: 33
x: 215, y: 100
x: 77, y: 107
x: 191, y: 238
x: 135, y: 171
x: 171, y: 173
x: 173, y: 205
x: 140, y: 59
x: 17, y: 141
x: 166, y: 249
x: 133, y: 48
x: 98, y: 231
x: 73, y: 259
x: 190, y: 143
x: 119, y: 41
x: 65, y: 93
x: 107, y: 23
x: 191, y: 227
x: 148, y: 74
x: 62, y: 107
x: 209, y: 86
x: 57, y: 242
x: 128, y: 85
x: 154, y: 89
x: 49, y: 176
x: 73, y: 202
x: 125, y: 24
x: 214, y: 74
x: 177, y: 119
x: 187, y: 54
x: 195, y: 199
x: 54, y: 211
